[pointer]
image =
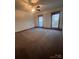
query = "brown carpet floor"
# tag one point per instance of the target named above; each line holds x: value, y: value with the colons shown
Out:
x: 38, y: 43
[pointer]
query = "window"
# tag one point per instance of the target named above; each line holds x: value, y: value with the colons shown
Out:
x: 40, y: 21
x: 55, y: 20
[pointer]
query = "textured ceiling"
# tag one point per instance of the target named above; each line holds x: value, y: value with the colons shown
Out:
x: 45, y: 4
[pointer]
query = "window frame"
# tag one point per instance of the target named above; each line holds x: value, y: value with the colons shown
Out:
x: 38, y: 21
x: 57, y: 12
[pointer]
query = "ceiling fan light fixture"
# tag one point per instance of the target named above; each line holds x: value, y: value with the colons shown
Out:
x: 33, y: 10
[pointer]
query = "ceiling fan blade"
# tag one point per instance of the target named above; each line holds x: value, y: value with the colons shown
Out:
x: 38, y: 10
x: 30, y: 2
x: 38, y: 6
x: 27, y: 1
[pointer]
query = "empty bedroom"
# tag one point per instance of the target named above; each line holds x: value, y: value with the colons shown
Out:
x: 39, y: 29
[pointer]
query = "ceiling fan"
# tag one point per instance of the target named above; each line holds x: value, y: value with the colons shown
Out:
x: 34, y: 4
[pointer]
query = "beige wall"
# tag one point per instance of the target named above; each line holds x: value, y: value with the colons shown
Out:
x: 23, y: 20
x: 47, y: 17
